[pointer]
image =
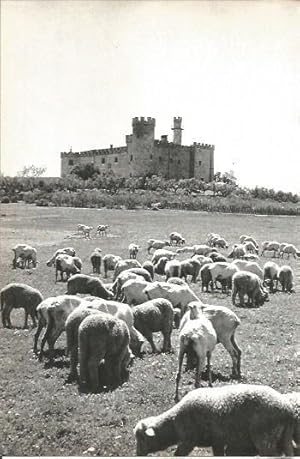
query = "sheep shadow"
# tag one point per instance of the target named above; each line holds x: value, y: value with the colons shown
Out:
x: 57, y: 361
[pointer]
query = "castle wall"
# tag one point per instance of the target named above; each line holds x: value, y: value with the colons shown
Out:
x: 171, y: 160
x: 203, y: 161
x: 140, y: 146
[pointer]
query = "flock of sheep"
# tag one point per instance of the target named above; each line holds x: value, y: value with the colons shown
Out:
x: 109, y: 326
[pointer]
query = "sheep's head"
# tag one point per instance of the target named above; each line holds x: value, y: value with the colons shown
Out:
x: 146, y: 437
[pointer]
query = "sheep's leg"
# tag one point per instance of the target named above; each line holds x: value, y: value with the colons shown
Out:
x: 36, y: 336
x: 73, y: 376
x: 93, y: 372
x: 149, y: 338
x: 208, y: 355
x: 235, y: 353
x: 180, y: 360
x: 32, y: 315
x: 241, y: 298
x: 184, y: 448
x: 167, y: 341
x: 26, y: 320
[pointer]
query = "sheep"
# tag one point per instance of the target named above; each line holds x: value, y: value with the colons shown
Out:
x: 269, y: 246
x: 244, y: 282
x: 159, y: 267
x: 96, y: 260
x: 250, y: 257
x: 159, y: 253
x: 82, y: 283
x: 250, y: 266
x: 286, y: 277
x: 156, y: 244
x: 186, y: 249
x: 66, y: 250
x: 67, y: 264
x: 289, y: 249
x: 179, y: 295
x: 281, y: 247
x: 16, y: 296
x: 172, y: 269
x: 225, y: 323
x: 177, y: 281
x: 124, y: 276
x: 293, y: 398
x: 203, y: 260
x: 132, y: 291
x: 92, y: 305
x: 236, y: 420
x: 52, y: 313
x: 205, y: 276
x: 250, y: 247
x: 110, y: 261
x: 102, y: 336
x: 125, y: 264
x: 176, y: 238
x: 216, y: 257
x: 201, y: 336
x: 271, y: 270
x: 133, y: 250
x: 222, y: 271
x: 102, y: 230
x: 24, y: 253
x: 245, y: 238
x: 148, y: 265
x: 190, y: 267
x: 202, y: 249
x: 211, y: 237
x: 238, y: 251
x: 85, y: 230
x: 154, y: 316
x: 220, y: 242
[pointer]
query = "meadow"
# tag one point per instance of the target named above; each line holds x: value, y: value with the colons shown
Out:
x: 42, y: 415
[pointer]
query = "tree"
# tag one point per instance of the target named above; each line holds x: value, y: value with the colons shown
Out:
x: 32, y: 171
x: 85, y: 171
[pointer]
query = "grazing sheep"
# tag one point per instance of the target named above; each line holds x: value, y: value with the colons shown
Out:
x: 289, y: 249
x: 14, y: 296
x: 125, y: 264
x: 132, y: 291
x: 238, y: 251
x: 156, y: 244
x: 286, y: 277
x: 186, y: 249
x: 244, y: 282
x: 250, y: 257
x: 281, y: 247
x: 102, y: 336
x: 23, y: 254
x: 203, y: 260
x: 124, y: 276
x: 205, y: 276
x: 215, y: 256
x: 200, y: 335
x: 159, y: 253
x: 202, y: 249
x: 82, y: 283
x: 85, y: 230
x: 225, y: 323
x: 96, y: 260
x: 102, y: 230
x: 172, y: 269
x: 250, y: 247
x: 271, y: 270
x: 270, y: 246
x: 110, y: 262
x: 223, y: 272
x: 293, y: 398
x: 159, y: 267
x: 154, y: 316
x: 179, y: 295
x: 250, y: 266
x: 190, y: 267
x: 177, y: 281
x: 176, y: 238
x: 148, y: 265
x: 65, y: 251
x: 219, y: 242
x: 245, y: 238
x: 133, y: 250
x: 236, y: 420
x: 66, y: 264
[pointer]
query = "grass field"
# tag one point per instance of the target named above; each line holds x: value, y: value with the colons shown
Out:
x: 41, y: 415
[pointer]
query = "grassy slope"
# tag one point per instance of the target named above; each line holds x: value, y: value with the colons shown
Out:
x: 42, y: 416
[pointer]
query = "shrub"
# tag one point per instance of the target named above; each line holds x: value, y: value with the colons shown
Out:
x: 5, y: 200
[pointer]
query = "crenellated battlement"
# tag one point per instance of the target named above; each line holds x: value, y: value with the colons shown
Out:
x: 142, y: 120
x: 203, y: 145
x: 91, y: 153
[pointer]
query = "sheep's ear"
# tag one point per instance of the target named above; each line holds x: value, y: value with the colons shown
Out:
x: 150, y: 432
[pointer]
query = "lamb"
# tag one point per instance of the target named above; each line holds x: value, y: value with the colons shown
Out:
x: 176, y: 238
x: 159, y: 253
x: 238, y: 251
x: 133, y: 250
x: 110, y: 262
x: 286, y: 277
x: 244, y: 282
x: 269, y: 246
x: 67, y: 264
x: 133, y: 293
x: 201, y: 336
x: 125, y: 264
x: 17, y: 296
x: 24, y: 253
x: 82, y: 283
x: 102, y: 230
x: 289, y: 249
x: 159, y: 267
x: 156, y: 244
x: 179, y: 295
x: 66, y: 250
x: 96, y: 260
x: 154, y: 316
x: 148, y: 265
x: 52, y: 313
x: 236, y: 420
x: 190, y: 267
x: 172, y: 269
x: 252, y: 267
x: 271, y: 270
x: 102, y: 336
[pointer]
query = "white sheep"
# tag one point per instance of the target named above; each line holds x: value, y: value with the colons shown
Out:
x: 19, y: 296
x: 132, y: 291
x: 201, y: 336
x: 186, y: 249
x: 202, y: 249
x: 247, y: 283
x: 250, y: 247
x: 219, y: 242
x: 176, y: 238
x: 172, y: 269
x: 222, y: 271
x: 250, y: 266
x: 110, y: 262
x: 271, y: 270
x: 133, y: 250
x: 66, y: 264
x: 23, y: 254
x: 289, y: 249
x: 179, y: 295
x: 159, y: 253
x: 156, y: 244
x: 66, y: 250
x: 293, y: 398
x: 238, y: 251
x: 125, y: 264
x: 236, y: 420
x: 245, y: 238
x: 102, y: 230
x: 270, y: 246
x: 286, y: 278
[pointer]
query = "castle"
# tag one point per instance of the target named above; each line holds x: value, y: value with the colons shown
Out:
x: 144, y: 155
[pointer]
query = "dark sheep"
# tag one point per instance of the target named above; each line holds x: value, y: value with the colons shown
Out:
x: 14, y: 296
x: 96, y: 259
x: 81, y: 283
x: 190, y: 267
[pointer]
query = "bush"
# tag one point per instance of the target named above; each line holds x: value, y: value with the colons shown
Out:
x: 5, y: 200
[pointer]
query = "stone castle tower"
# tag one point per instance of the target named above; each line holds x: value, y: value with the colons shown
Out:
x: 144, y: 155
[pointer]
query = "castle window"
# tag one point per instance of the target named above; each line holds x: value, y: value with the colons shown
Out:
x: 131, y: 157
x: 71, y: 162
x: 116, y: 159
x: 200, y: 162
x: 160, y: 159
x: 151, y: 156
x: 103, y: 161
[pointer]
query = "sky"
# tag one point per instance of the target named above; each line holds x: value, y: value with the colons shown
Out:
x: 75, y: 73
